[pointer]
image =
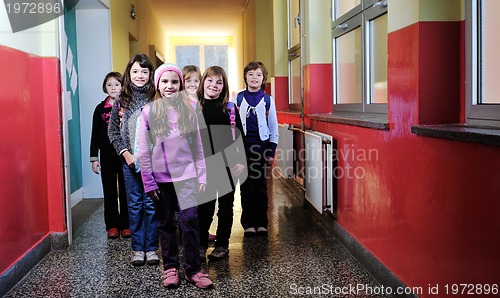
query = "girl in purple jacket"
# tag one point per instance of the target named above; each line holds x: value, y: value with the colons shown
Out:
x: 173, y: 172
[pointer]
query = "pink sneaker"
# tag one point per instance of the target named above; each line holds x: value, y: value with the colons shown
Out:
x: 200, y: 279
x: 171, y: 278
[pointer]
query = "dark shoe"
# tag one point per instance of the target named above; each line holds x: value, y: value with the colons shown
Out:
x: 171, y: 278
x: 152, y: 258
x: 138, y: 258
x: 218, y: 253
x: 211, y: 237
x: 113, y: 233
x: 200, y: 279
x: 249, y: 232
x: 261, y: 231
x: 125, y: 233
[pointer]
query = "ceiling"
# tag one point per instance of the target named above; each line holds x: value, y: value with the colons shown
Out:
x: 199, y: 17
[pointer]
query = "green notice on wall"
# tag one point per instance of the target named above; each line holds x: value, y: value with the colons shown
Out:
x: 74, y: 130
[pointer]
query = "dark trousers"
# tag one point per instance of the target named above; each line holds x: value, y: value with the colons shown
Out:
x: 170, y: 196
x: 254, y: 192
x: 115, y: 197
x: 224, y: 215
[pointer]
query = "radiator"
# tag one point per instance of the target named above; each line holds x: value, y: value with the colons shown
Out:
x: 285, y: 151
x: 319, y: 166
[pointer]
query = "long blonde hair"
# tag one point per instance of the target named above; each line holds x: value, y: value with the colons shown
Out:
x: 159, y: 121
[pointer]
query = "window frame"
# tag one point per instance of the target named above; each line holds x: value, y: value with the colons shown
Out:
x: 359, y: 16
x: 201, y: 42
x: 294, y: 52
x: 486, y: 115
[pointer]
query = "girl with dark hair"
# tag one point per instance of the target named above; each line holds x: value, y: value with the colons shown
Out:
x: 106, y: 162
x: 137, y: 91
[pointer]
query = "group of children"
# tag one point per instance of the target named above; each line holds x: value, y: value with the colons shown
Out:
x: 182, y: 145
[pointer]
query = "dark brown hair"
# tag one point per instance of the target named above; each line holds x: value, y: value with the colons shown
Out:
x: 126, y: 96
x: 113, y: 74
x: 253, y: 66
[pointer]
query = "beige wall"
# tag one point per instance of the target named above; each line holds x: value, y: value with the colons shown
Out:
x: 280, y: 43
x: 249, y: 33
x: 258, y: 34
x: 130, y: 36
x: 403, y: 13
x: 120, y: 16
x: 264, y: 34
x: 317, y: 31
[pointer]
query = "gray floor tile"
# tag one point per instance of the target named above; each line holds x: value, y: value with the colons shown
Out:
x: 298, y: 255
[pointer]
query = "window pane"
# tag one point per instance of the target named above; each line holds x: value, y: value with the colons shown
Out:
x: 349, y: 67
x: 185, y: 55
x: 343, y: 6
x: 490, y: 47
x: 295, y: 80
x: 378, y: 57
x: 294, y: 25
x: 216, y: 55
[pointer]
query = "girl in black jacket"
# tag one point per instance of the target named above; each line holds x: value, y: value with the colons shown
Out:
x: 109, y: 165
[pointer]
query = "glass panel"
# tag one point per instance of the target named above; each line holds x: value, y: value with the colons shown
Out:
x: 378, y: 57
x: 343, y: 6
x: 295, y: 80
x: 216, y: 55
x: 294, y: 25
x: 185, y: 55
x: 349, y: 67
x: 490, y: 47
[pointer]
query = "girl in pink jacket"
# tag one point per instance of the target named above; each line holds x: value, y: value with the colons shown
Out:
x: 173, y: 172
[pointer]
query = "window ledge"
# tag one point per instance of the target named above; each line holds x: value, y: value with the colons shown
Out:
x: 374, y: 121
x: 481, y: 135
x: 294, y: 113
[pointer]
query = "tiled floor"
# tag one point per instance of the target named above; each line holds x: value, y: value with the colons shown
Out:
x: 298, y: 257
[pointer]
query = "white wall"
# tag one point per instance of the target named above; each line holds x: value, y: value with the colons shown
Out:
x: 94, y: 62
x: 41, y: 40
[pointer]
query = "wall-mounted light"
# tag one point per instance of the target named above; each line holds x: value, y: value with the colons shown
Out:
x: 133, y: 15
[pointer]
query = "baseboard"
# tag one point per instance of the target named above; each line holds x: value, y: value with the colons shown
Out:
x: 294, y: 187
x: 381, y: 273
x: 59, y: 241
x: 17, y: 271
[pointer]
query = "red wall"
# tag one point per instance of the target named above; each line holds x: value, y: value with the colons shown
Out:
x: 31, y: 195
x: 427, y: 208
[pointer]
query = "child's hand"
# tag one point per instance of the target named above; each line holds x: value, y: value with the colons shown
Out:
x: 154, y: 194
x: 129, y: 159
x: 237, y: 169
x: 96, y: 167
x: 201, y: 187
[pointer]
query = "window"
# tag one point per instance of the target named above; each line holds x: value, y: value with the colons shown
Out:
x: 359, y: 32
x: 483, y: 63
x: 294, y: 60
x: 187, y: 55
x: 202, y: 56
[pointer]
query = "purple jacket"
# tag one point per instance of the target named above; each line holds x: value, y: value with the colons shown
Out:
x: 172, y: 158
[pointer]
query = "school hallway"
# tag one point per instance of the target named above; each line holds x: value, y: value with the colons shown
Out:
x: 299, y: 256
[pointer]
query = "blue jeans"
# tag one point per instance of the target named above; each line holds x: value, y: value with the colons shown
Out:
x: 142, y: 217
